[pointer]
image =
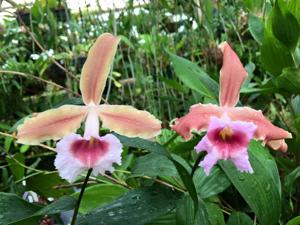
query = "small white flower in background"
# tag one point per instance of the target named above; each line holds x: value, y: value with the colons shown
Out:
x: 14, y: 41
x: 35, y: 56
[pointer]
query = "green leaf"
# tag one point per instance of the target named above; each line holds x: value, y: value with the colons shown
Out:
x: 45, y: 185
x: 274, y: 55
x: 15, y: 210
x: 291, y: 178
x: 294, y: 221
x: 253, y: 5
x: 262, y: 189
x: 142, y: 144
x: 16, y: 169
x: 239, y: 218
x: 215, y: 214
x: 154, y: 165
x: 188, y: 182
x: 136, y: 207
x: 256, y: 28
x: 174, y: 84
x: 194, y: 77
x: 206, y: 186
x: 289, y: 80
x: 285, y: 26
x: 168, y: 219
x: 154, y: 147
x: 185, y: 147
x: 185, y: 212
x: 294, y: 7
x: 98, y: 195
x: 7, y: 143
x: 63, y: 204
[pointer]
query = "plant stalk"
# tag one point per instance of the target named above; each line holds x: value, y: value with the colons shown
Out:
x: 80, y: 196
x: 196, y: 165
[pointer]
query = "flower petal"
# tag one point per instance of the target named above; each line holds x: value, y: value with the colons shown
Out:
x: 127, y: 120
x: 69, y: 168
x: 241, y: 161
x: 278, y: 145
x: 236, y: 137
x: 197, y: 119
x: 232, y: 76
x: 265, y: 131
x: 208, y: 162
x: 96, y: 68
x: 51, y: 124
x: 76, y: 154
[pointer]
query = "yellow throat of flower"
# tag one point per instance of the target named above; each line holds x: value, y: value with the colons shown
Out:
x: 226, y: 133
x: 92, y: 140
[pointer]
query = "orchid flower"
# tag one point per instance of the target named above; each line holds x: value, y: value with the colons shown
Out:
x: 76, y: 154
x: 229, y: 128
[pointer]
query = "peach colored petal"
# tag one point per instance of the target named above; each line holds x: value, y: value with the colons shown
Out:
x: 96, y: 68
x: 127, y: 120
x: 232, y: 76
x: 51, y: 124
x: 278, y: 145
x: 265, y: 131
x: 197, y: 119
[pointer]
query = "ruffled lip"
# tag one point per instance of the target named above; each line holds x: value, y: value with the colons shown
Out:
x: 76, y: 154
x: 227, y: 140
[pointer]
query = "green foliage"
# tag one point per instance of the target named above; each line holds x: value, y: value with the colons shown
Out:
x: 22, y: 212
x: 256, y: 28
x: 284, y: 25
x: 46, y: 185
x: 261, y: 190
x: 239, y: 218
x: 274, y: 55
x: 133, y: 208
x: 186, y: 213
x: 289, y: 80
x: 98, y: 195
x: 194, y: 77
x: 211, y: 185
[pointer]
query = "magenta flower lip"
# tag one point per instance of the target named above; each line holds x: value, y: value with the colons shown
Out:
x: 89, y: 151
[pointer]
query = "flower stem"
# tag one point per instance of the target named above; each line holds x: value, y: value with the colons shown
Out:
x: 80, y: 196
x: 196, y: 164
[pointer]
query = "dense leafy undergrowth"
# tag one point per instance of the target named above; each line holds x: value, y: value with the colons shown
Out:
x: 167, y: 60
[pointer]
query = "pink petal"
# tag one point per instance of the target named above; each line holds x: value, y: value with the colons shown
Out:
x: 232, y: 76
x: 96, y: 68
x: 197, y: 119
x: 76, y: 155
x: 242, y: 133
x: 278, y: 145
x: 127, y: 120
x: 208, y: 162
x: 233, y: 148
x: 204, y: 145
x: 51, y: 124
x: 241, y: 162
x: 265, y: 131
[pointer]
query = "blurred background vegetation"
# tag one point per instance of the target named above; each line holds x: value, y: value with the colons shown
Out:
x: 44, y: 45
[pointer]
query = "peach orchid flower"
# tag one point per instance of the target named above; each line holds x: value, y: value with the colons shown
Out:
x: 76, y: 154
x: 229, y: 128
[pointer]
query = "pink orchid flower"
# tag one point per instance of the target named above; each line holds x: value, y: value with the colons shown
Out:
x: 229, y: 128
x: 76, y: 154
